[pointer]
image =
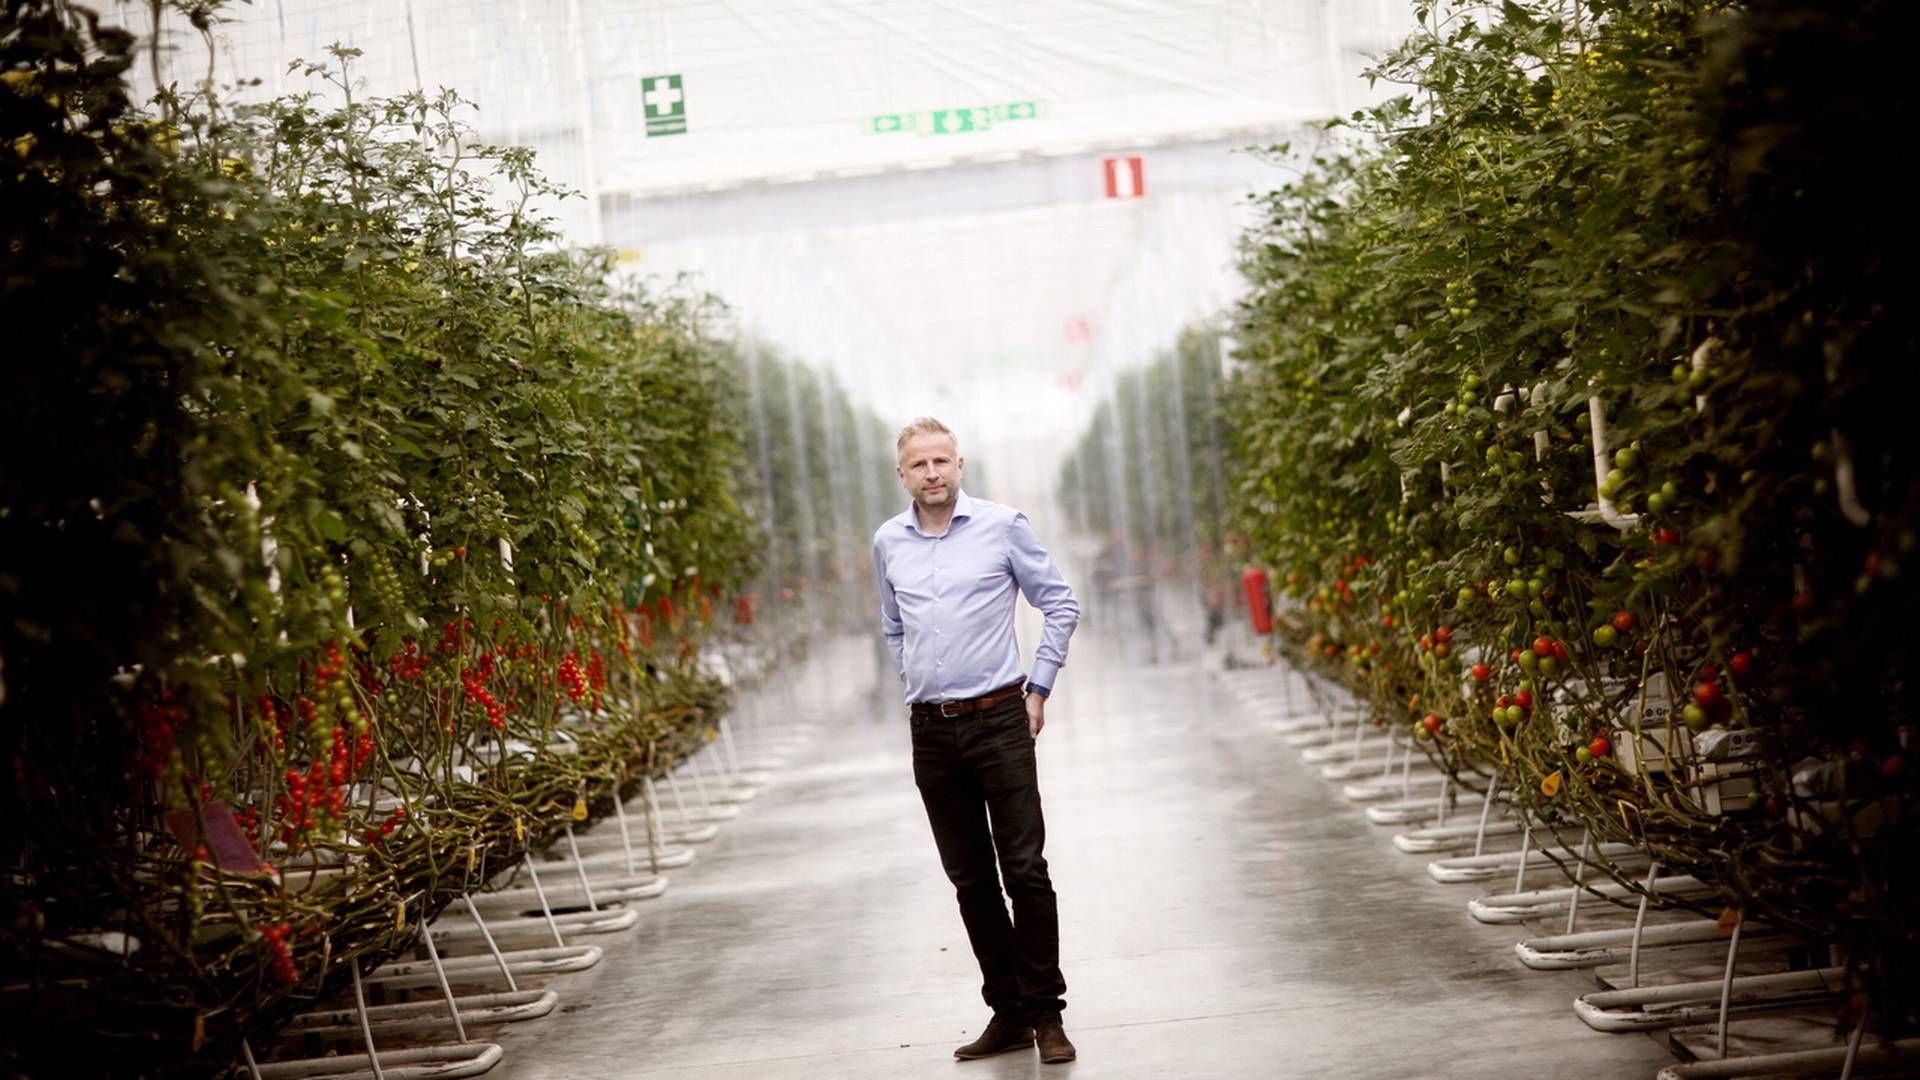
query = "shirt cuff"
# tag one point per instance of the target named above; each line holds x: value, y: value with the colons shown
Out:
x: 1044, y: 675
x: 1036, y: 688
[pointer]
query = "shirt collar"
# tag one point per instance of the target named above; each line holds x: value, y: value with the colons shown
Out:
x: 962, y: 508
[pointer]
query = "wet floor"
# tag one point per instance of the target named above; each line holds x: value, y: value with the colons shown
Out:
x: 1223, y: 914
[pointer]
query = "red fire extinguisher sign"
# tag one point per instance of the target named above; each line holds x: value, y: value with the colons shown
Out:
x: 1126, y: 178
x: 1254, y: 582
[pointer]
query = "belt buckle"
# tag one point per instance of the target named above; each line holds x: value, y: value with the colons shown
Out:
x: 943, y: 709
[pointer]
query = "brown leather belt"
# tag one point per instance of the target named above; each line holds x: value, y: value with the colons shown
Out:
x: 964, y: 706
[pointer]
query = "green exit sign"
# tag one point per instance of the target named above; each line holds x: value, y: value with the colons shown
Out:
x: 955, y: 121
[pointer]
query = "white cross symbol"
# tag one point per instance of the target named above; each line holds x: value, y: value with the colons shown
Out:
x: 662, y: 96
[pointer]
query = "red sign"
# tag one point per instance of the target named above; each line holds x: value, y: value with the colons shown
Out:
x: 1126, y: 177
x: 1254, y: 583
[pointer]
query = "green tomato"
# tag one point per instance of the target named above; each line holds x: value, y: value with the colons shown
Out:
x: 1528, y: 660
x: 1616, y: 477
x: 1695, y: 717
x: 1670, y: 489
x: 1583, y: 755
x: 1512, y: 556
x: 1626, y: 458
x: 1535, y: 587
x: 1466, y: 594
x: 1548, y: 665
x: 1605, y: 636
x: 1657, y: 503
x: 1517, y: 587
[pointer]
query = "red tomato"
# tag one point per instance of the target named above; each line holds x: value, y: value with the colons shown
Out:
x: 1480, y: 672
x: 1623, y: 621
x: 1443, y: 634
x: 1543, y: 646
x: 1524, y: 699
x: 1599, y: 747
x: 1741, y: 664
x: 1708, y: 695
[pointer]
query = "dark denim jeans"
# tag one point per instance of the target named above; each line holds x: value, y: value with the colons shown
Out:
x: 976, y: 775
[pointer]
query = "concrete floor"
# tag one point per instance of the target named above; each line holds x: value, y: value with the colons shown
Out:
x: 1224, y: 914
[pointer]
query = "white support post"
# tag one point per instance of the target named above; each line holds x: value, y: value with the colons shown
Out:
x: 506, y: 970
x: 1853, y: 1046
x: 656, y: 833
x: 1486, y: 809
x: 1579, y: 879
x: 1640, y: 927
x: 679, y: 801
x: 1726, y: 985
x: 253, y: 1067
x: 545, y: 908
x: 626, y: 839
x: 726, y: 744
x: 1440, y: 809
x: 366, y: 1029
x: 1526, y: 841
x: 446, y: 988
x: 580, y: 868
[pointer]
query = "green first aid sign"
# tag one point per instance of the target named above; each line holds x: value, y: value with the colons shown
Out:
x: 666, y: 101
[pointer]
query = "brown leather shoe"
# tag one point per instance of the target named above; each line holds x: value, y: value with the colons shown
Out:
x: 1052, y: 1038
x: 1002, y: 1034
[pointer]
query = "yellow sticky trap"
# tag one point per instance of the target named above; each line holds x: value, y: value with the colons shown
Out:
x: 473, y: 855
x: 1550, y: 784
x: 712, y: 734
x: 400, y: 917
x: 1729, y: 918
x: 1504, y: 759
x: 199, y: 1030
x: 519, y: 830
x: 580, y: 808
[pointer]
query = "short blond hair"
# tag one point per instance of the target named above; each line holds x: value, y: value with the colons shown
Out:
x: 924, y: 425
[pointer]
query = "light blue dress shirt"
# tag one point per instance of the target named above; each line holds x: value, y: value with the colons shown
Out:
x: 946, y: 602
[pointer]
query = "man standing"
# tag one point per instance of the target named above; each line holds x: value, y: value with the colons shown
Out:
x: 947, y: 569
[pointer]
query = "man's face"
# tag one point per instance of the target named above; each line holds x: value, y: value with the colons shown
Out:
x: 930, y: 467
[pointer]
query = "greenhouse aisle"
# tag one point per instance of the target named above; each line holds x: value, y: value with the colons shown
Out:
x: 1223, y: 915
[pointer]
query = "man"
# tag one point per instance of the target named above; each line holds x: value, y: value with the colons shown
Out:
x: 947, y: 569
